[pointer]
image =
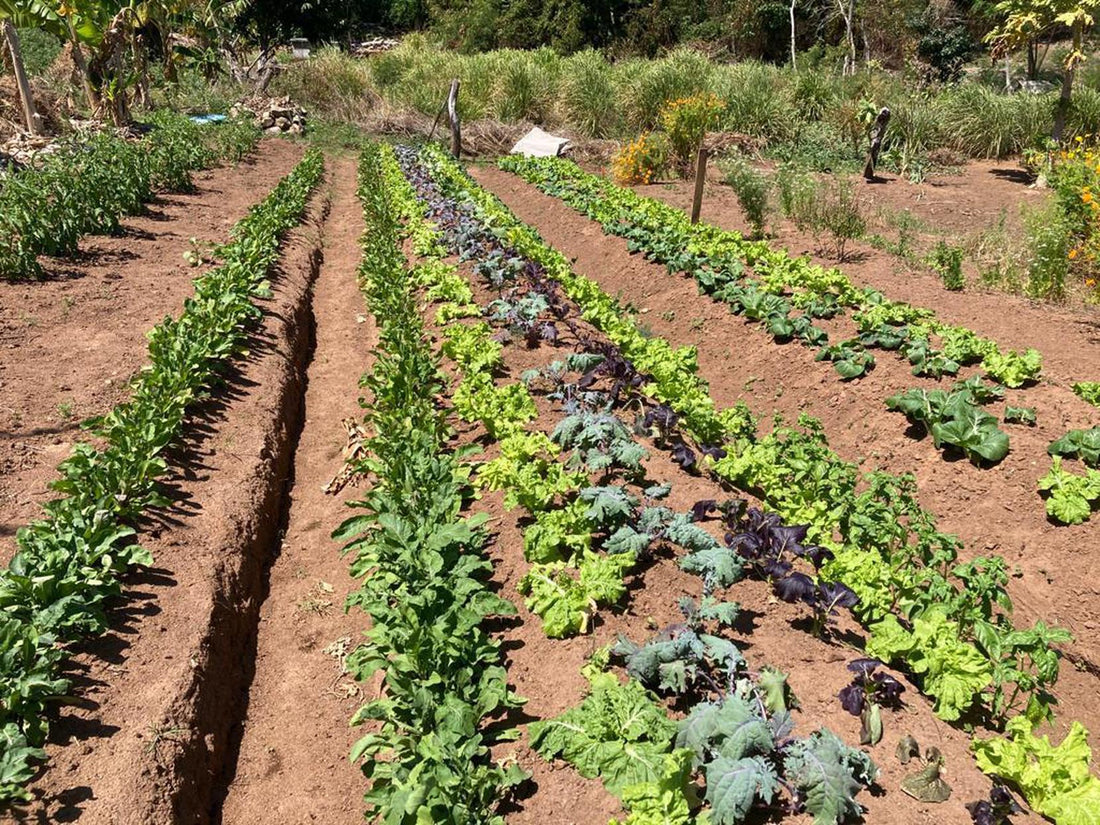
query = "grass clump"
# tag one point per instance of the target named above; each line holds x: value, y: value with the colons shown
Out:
x: 946, y: 259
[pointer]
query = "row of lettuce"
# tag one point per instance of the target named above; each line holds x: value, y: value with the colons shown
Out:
x: 948, y: 623
x: 786, y: 295
x: 68, y: 564
x: 88, y: 185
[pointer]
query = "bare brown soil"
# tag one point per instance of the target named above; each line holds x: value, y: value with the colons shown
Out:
x: 292, y: 765
x: 993, y: 510
x: 69, y: 344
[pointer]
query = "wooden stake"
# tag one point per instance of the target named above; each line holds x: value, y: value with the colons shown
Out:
x: 30, y: 114
x: 878, y: 132
x: 452, y: 112
x: 700, y: 178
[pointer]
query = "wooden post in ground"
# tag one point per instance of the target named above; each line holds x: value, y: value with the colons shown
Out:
x: 878, y: 132
x: 452, y: 112
x: 30, y: 113
x: 700, y: 178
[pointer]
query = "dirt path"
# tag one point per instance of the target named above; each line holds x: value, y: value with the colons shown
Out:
x: 994, y: 511
x: 68, y: 345
x: 155, y: 697
x: 293, y: 763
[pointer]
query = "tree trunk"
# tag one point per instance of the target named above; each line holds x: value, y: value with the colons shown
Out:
x: 82, y: 66
x: 1008, y: 74
x: 846, y: 13
x: 30, y: 113
x: 1066, y: 95
x: 794, y: 63
x: 1032, y: 60
x: 878, y: 132
x: 452, y: 112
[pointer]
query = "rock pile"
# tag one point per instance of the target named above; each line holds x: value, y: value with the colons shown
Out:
x: 373, y: 46
x: 273, y: 114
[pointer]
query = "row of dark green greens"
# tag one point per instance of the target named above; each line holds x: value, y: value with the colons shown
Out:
x: 424, y: 571
x: 88, y: 185
x: 70, y: 563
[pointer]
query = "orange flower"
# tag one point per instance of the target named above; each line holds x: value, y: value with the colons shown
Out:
x: 1072, y: 254
x: 1090, y: 282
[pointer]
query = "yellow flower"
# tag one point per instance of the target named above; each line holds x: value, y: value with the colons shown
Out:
x: 1090, y: 282
x: 1072, y: 254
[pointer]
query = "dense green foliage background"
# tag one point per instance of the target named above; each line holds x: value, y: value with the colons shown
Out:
x: 888, y: 31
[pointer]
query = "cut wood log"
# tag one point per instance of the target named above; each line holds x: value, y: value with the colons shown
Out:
x: 878, y: 132
x: 30, y: 113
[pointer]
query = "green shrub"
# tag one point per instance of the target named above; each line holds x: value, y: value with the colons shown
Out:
x: 1049, y: 241
x: 40, y: 49
x: 332, y: 83
x: 818, y: 147
x: 983, y: 123
x: 839, y: 215
x: 686, y: 121
x: 917, y: 124
x: 751, y: 188
x: 758, y: 101
x: 813, y: 93
x: 947, y: 259
x: 645, y: 86
x: 588, y: 95
x: 798, y: 193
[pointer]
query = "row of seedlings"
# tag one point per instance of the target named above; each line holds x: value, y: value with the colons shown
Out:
x: 88, y: 186
x: 423, y: 569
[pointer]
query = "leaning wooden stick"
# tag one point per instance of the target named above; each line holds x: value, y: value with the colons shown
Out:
x: 878, y: 132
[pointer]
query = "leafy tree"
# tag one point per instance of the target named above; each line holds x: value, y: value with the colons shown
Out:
x: 1025, y: 21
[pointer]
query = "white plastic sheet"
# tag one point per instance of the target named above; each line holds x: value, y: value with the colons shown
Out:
x: 540, y: 144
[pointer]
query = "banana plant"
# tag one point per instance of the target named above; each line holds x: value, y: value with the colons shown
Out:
x: 26, y: 14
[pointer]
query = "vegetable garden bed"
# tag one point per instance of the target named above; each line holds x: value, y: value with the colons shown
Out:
x: 596, y: 584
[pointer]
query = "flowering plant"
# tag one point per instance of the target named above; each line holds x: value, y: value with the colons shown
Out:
x: 686, y: 122
x: 641, y: 160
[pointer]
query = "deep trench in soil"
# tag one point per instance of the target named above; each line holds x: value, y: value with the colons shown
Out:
x: 288, y: 758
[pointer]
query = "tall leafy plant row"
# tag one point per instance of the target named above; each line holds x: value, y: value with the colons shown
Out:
x: 70, y: 562
x: 947, y: 622
x: 90, y: 185
x: 425, y: 575
x: 719, y: 261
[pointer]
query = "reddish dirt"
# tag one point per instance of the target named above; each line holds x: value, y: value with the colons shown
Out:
x: 293, y: 762
x: 218, y: 697
x: 547, y: 671
x: 993, y: 510
x: 69, y: 344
